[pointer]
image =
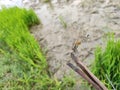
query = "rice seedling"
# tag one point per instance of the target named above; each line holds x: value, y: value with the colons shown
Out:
x: 23, y: 66
x: 47, y: 1
x: 107, y: 64
x: 62, y: 21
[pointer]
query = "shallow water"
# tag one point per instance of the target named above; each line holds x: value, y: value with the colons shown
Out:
x: 11, y: 3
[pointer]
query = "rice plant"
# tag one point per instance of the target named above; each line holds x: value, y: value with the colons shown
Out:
x: 107, y: 64
x: 23, y: 66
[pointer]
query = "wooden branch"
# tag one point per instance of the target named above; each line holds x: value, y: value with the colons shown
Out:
x: 83, y: 75
x: 88, y: 73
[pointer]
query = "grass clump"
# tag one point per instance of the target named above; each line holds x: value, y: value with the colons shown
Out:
x: 22, y: 63
x: 107, y: 64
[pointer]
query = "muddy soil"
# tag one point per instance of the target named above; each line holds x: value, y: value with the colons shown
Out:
x: 87, y: 21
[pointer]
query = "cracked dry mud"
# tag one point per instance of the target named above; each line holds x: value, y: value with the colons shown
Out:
x: 87, y: 21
